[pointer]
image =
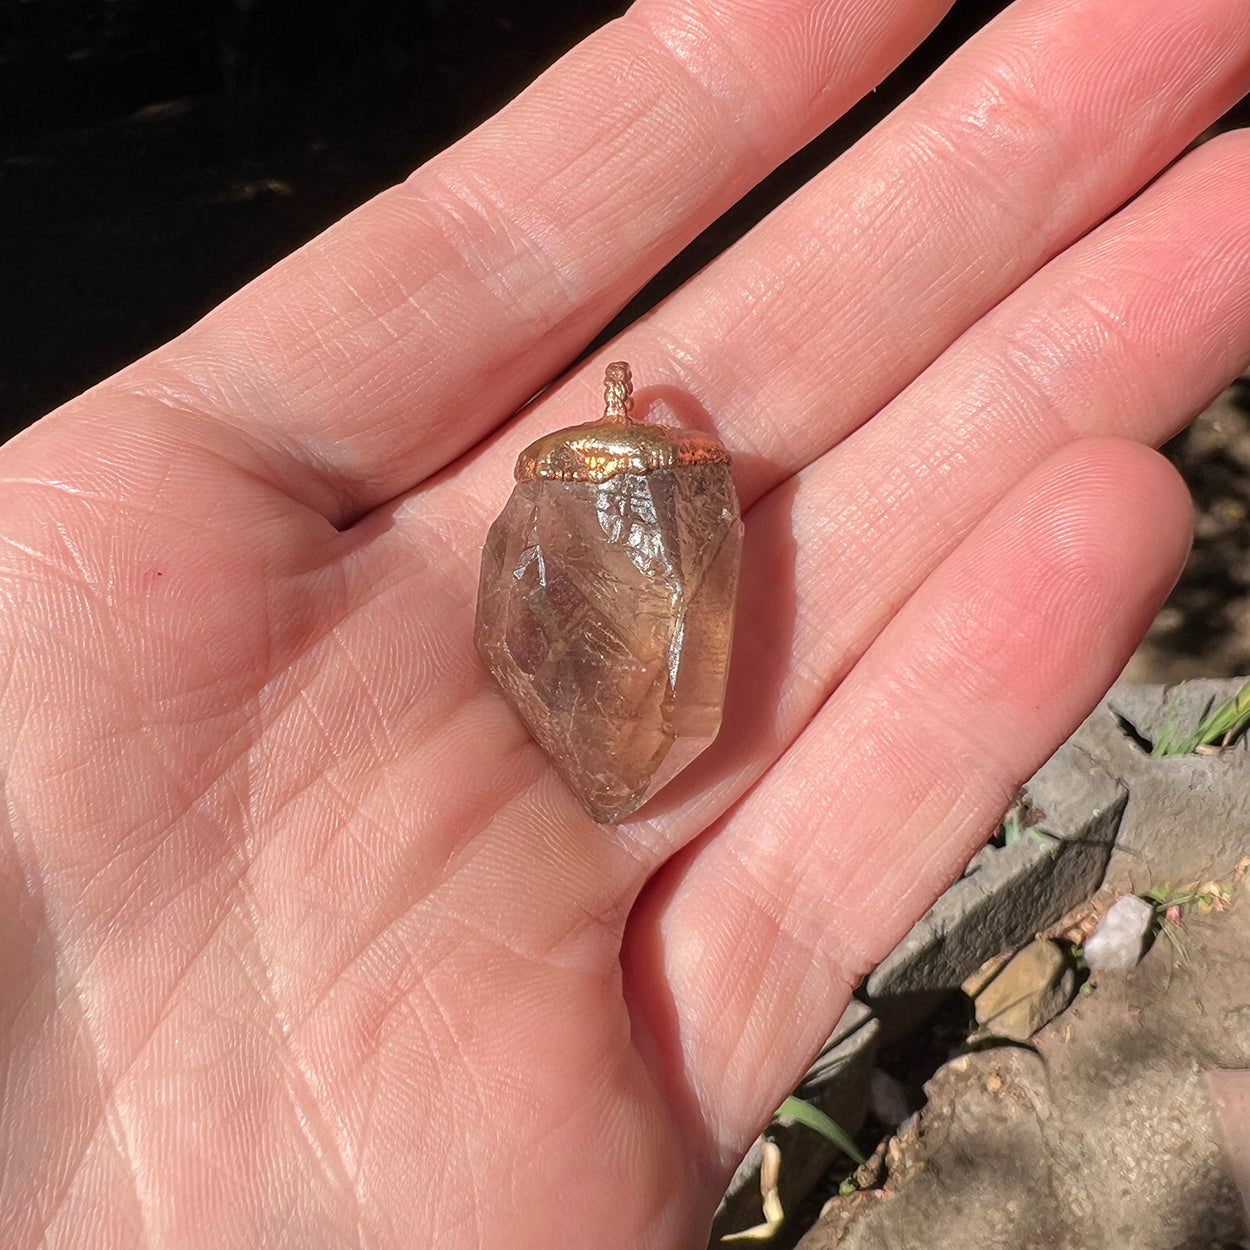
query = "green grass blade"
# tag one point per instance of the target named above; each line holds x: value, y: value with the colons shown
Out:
x: 814, y: 1118
x: 1227, y: 721
x: 1223, y: 724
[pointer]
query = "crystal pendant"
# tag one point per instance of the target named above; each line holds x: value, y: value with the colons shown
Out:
x: 606, y: 603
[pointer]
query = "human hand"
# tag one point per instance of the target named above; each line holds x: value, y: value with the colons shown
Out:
x: 306, y: 943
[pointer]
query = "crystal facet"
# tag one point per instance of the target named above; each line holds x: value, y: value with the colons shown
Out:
x: 606, y: 604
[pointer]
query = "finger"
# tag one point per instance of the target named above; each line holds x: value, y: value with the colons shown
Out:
x: 1126, y: 333
x: 864, y: 526
x: 824, y: 867
x: 1034, y: 132
x: 405, y: 333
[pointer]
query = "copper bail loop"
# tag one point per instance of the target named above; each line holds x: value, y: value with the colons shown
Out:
x: 618, y: 392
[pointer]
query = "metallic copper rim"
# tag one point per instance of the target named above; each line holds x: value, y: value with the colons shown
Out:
x: 616, y: 443
x: 603, y: 449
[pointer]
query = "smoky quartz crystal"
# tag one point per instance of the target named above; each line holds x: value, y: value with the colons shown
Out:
x: 606, y: 602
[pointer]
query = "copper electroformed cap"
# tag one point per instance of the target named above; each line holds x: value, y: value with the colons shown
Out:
x: 615, y: 444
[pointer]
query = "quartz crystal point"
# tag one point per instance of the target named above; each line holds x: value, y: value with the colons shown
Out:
x: 606, y: 603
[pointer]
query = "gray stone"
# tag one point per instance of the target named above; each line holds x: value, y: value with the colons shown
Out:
x: 1172, y: 820
x: 1012, y: 892
x: 1116, y: 945
x: 1106, y: 1137
x: 1149, y: 709
x: 1188, y: 817
x: 887, y: 1099
x: 837, y: 1083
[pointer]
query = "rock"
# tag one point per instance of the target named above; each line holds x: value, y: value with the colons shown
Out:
x: 976, y: 981
x: 837, y: 1083
x: 1150, y: 710
x: 1187, y: 817
x: 1230, y: 1093
x: 1116, y: 945
x: 887, y: 1099
x: 1029, y: 992
x: 1105, y: 1138
x: 1013, y: 891
x: 1111, y: 813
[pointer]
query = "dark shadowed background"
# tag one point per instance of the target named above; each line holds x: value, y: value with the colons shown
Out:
x: 156, y: 154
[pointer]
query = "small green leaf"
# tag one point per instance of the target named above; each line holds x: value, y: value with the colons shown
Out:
x: 814, y: 1118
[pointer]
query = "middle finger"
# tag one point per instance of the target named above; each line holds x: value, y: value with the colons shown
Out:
x: 1041, y: 126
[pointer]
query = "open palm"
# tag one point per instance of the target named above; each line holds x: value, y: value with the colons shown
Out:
x: 305, y: 944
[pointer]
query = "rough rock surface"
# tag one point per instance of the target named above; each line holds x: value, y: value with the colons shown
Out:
x: 1009, y: 894
x: 1104, y: 1137
x: 1101, y: 787
x: 1202, y: 795
x: 1116, y: 944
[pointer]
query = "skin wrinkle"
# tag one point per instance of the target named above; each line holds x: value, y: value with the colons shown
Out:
x: 530, y: 248
x: 373, y: 705
x: 878, y: 753
x: 593, y: 915
x: 414, y: 753
x: 320, y: 1140
x: 130, y: 888
x: 704, y: 201
x: 499, y: 242
x: 466, y: 1084
x: 20, y: 1008
x: 1057, y: 431
x: 906, y: 892
x: 342, y: 806
x: 818, y: 986
x: 389, y: 923
x: 735, y: 1014
x: 432, y: 730
x: 442, y: 1052
x: 405, y: 300
x: 63, y: 1229
x: 187, y: 788
x: 266, y: 719
x: 1090, y: 353
x: 272, y: 463
x: 149, y: 743
x: 7, y: 1099
x: 160, y: 1009
x: 140, y: 717
x: 381, y: 927
x: 120, y: 1130
x: 731, y: 104
x: 1003, y: 198
x: 211, y: 946
x: 891, y: 135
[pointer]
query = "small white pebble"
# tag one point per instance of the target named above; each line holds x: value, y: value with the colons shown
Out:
x: 1116, y: 945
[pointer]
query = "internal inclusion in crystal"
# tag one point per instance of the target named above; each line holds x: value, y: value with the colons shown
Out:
x: 605, y: 612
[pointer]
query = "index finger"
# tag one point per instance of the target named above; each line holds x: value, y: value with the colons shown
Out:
x: 401, y: 336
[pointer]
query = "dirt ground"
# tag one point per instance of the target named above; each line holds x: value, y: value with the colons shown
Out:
x: 1204, y: 629
x: 1101, y: 1135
